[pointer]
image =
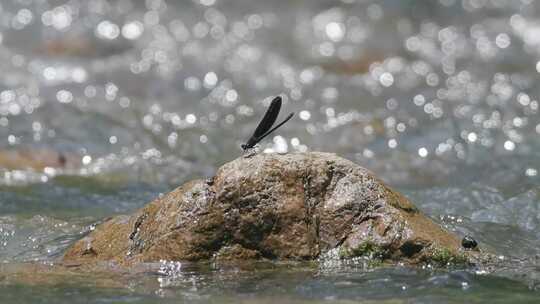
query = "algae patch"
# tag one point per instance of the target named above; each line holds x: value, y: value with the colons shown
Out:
x: 365, y: 249
x: 443, y: 257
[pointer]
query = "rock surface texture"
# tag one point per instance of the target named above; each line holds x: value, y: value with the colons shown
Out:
x: 300, y: 206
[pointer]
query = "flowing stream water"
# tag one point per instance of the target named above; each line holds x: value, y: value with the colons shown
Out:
x: 104, y: 105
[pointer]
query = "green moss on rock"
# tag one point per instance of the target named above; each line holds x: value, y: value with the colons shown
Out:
x: 366, y: 249
x: 444, y: 257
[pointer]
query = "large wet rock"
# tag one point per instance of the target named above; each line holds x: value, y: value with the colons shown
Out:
x: 294, y: 206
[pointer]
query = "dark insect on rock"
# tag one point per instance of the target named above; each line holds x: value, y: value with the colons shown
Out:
x: 468, y: 242
x: 263, y: 129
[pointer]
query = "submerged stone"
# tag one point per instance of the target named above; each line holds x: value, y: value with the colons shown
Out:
x: 468, y: 242
x: 297, y: 206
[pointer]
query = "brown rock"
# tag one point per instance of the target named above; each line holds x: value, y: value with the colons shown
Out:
x: 301, y: 206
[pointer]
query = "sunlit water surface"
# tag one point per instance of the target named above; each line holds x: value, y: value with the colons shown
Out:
x: 106, y: 104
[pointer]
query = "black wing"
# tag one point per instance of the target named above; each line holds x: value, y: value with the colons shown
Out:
x: 276, y: 127
x: 269, y: 118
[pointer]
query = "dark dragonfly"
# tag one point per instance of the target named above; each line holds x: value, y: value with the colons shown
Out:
x: 263, y: 129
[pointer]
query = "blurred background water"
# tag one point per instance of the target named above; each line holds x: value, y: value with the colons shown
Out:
x: 106, y: 104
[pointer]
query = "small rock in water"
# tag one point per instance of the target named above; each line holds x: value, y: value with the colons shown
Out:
x: 468, y: 242
x: 296, y: 206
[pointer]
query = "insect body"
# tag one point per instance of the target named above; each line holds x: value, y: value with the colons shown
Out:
x: 265, y: 126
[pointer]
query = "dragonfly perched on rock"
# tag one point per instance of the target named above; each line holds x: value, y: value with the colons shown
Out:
x: 265, y: 126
